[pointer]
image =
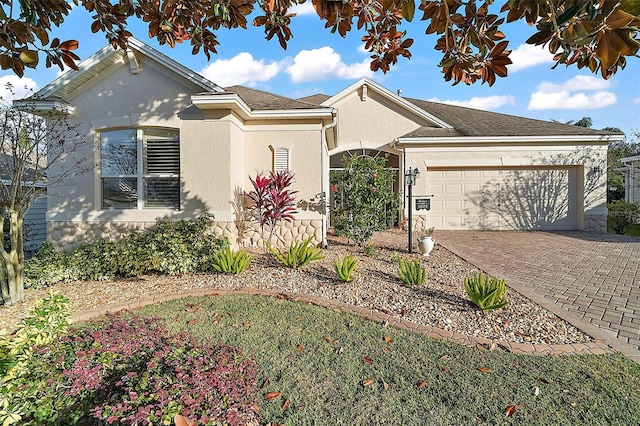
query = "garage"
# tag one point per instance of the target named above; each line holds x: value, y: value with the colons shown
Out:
x: 503, y: 198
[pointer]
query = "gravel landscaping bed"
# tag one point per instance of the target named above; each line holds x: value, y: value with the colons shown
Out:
x: 441, y: 302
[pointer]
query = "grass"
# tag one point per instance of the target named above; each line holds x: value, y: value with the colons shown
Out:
x: 633, y: 230
x: 318, y: 359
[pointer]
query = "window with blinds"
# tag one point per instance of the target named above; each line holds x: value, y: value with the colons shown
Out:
x: 140, y: 168
x: 162, y: 173
x: 280, y: 159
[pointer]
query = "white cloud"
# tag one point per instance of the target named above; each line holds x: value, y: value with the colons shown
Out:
x: 559, y: 96
x: 636, y: 101
x: 579, y: 82
x: 323, y: 64
x: 305, y: 8
x: 527, y: 55
x: 241, y: 69
x: 484, y: 103
x: 20, y: 87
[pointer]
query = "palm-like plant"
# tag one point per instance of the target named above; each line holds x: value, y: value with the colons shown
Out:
x: 273, y: 201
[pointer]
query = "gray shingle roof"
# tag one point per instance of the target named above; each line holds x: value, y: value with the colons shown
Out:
x: 259, y: 100
x: 474, y: 122
x: 315, y: 99
x: 465, y: 121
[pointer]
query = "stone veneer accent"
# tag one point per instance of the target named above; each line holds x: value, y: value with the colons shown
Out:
x: 595, y: 223
x: 68, y: 235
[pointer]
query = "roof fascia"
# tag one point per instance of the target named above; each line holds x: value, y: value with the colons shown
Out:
x: 46, y: 106
x: 454, y: 140
x: 234, y: 102
x: 83, y: 67
x: 388, y: 94
x: 175, y: 66
x: 108, y: 51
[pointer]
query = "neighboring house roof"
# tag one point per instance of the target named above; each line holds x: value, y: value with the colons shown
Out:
x: 107, y: 56
x: 6, y: 163
x: 630, y: 159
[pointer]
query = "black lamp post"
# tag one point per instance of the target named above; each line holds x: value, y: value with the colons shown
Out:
x: 410, y: 177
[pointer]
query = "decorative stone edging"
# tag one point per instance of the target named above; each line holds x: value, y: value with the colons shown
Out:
x: 594, y: 347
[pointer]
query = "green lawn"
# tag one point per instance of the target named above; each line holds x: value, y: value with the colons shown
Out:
x: 633, y: 230
x: 339, y: 369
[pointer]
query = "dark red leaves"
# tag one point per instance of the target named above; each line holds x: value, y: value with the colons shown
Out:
x: 273, y: 201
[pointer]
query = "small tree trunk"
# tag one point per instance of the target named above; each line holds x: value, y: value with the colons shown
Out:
x: 13, y: 262
x: 4, y: 284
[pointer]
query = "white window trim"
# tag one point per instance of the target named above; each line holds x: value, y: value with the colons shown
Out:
x: 140, y: 176
x: 275, y: 150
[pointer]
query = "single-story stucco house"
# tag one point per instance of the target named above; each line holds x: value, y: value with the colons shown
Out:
x: 169, y: 143
x: 631, y: 172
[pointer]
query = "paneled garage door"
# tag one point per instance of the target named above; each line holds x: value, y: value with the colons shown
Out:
x: 502, y: 198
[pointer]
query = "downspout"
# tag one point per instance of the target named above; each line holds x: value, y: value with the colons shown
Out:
x: 324, y: 150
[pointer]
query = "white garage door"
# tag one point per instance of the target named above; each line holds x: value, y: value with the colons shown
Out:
x: 502, y: 198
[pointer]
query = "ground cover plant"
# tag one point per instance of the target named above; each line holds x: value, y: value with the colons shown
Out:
x: 317, y: 366
x: 129, y: 370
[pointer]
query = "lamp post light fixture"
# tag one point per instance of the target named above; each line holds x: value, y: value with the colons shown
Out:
x: 410, y: 178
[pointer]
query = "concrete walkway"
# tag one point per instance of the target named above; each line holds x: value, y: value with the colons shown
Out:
x: 587, y: 279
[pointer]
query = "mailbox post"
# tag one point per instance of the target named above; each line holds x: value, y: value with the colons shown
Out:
x: 410, y: 177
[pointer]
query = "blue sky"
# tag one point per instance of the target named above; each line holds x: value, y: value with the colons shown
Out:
x: 317, y: 61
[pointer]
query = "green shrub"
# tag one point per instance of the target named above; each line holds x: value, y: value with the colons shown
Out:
x: 486, y: 292
x: 363, y: 197
x: 165, y: 248
x: 411, y: 271
x: 228, y: 261
x: 345, y: 268
x: 370, y: 250
x: 48, y: 267
x: 621, y: 215
x: 97, y: 260
x: 47, y: 321
x: 298, y: 255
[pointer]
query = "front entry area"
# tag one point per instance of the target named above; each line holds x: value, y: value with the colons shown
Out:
x: 336, y: 167
x: 504, y: 198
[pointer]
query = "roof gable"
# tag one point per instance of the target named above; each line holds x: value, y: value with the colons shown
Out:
x: 365, y: 85
x: 108, y: 56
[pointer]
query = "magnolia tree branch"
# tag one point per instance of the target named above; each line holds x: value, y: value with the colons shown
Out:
x: 595, y: 34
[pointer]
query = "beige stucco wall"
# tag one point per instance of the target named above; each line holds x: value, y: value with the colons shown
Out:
x: 304, y: 143
x: 219, y: 151
x: 372, y: 121
x: 116, y: 99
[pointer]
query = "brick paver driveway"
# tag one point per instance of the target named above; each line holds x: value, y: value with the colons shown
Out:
x: 595, y: 277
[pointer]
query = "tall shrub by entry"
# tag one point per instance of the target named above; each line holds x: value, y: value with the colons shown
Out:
x: 364, y: 198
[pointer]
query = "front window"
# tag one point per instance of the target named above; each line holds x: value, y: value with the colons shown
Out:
x: 140, y: 168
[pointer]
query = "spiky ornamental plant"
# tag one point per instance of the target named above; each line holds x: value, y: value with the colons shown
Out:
x: 486, y: 293
x: 273, y: 201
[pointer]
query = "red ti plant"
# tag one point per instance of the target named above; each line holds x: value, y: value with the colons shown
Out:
x: 273, y: 201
